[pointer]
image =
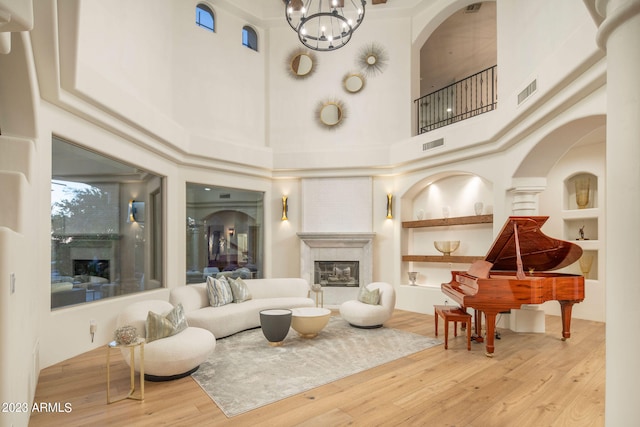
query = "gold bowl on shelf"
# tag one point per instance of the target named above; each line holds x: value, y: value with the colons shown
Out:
x: 446, y: 246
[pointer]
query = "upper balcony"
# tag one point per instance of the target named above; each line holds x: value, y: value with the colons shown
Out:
x: 461, y: 100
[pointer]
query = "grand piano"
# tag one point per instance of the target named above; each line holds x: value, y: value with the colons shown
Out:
x: 516, y: 271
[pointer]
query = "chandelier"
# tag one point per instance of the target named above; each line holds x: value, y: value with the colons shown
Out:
x: 324, y: 24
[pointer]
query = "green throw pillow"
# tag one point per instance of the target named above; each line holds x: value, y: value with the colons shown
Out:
x: 369, y: 297
x: 161, y: 326
x: 219, y: 291
x: 239, y: 290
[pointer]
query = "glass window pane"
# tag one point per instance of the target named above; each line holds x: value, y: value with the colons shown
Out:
x: 204, y: 17
x: 105, y: 220
x: 223, y: 232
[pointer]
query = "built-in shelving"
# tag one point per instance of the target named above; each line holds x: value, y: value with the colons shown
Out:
x: 442, y: 222
x: 445, y: 222
x: 441, y: 258
x: 581, y: 224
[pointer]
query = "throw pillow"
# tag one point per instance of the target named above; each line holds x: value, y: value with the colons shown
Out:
x: 177, y: 318
x: 369, y: 296
x: 160, y: 326
x: 240, y: 290
x: 219, y: 291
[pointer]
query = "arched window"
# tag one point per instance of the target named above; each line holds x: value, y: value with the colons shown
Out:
x: 249, y: 38
x: 204, y: 17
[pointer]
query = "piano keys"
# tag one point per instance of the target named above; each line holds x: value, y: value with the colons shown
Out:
x: 517, y: 270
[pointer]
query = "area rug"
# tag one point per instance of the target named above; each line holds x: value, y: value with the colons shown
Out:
x: 244, y: 372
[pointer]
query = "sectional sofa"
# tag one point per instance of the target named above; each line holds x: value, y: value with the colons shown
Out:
x: 235, y: 317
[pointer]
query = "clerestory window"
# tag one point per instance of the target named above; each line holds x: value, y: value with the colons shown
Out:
x: 249, y: 38
x: 205, y: 18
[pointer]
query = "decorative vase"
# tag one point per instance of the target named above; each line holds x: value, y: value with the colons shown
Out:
x: 413, y: 275
x: 478, y: 206
x: 446, y: 246
x: 586, y: 260
x: 582, y: 192
x: 125, y: 335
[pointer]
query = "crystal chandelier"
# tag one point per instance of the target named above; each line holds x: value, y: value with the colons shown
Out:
x: 324, y: 24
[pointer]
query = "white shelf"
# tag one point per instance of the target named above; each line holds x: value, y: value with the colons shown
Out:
x: 581, y: 213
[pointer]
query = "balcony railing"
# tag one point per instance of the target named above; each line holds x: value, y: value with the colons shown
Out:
x: 461, y: 100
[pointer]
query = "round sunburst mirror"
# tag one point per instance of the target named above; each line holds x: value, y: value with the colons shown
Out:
x: 301, y: 64
x: 353, y: 82
x: 372, y: 59
x: 330, y: 113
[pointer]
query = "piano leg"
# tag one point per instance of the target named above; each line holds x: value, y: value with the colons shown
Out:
x: 565, y: 308
x: 477, y: 325
x: 490, y: 318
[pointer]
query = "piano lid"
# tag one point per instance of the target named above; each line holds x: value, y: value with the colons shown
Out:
x: 537, y: 251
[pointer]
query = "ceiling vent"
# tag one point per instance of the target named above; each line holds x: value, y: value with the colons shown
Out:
x: 473, y: 8
x: 225, y: 196
x: 433, y: 144
x: 527, y: 91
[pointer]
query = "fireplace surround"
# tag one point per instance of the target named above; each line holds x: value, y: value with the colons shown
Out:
x: 342, y: 249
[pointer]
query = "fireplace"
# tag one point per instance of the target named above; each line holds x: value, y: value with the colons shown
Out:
x: 91, y: 267
x: 337, y: 273
x: 346, y: 260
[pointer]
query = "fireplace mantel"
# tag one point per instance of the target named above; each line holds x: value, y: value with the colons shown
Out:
x: 338, y: 239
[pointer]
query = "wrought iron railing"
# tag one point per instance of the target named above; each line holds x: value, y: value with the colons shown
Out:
x: 461, y: 100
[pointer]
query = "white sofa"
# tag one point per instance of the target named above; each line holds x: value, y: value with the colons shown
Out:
x: 166, y: 358
x: 235, y: 317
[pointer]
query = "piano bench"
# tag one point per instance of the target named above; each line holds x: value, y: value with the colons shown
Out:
x: 451, y: 313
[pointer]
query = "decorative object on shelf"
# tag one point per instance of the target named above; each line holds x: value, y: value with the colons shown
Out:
x: 586, y: 260
x: 389, y: 206
x: 372, y: 59
x: 413, y: 275
x: 324, y: 25
x: 285, y: 208
x: 420, y: 214
x: 581, y: 233
x: 353, y: 82
x: 330, y: 113
x: 301, y: 63
x: 478, y: 207
x: 125, y: 335
x: 582, y: 184
x: 316, y: 287
x: 446, y: 246
x: 446, y: 211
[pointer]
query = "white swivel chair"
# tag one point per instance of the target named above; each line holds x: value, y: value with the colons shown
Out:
x: 167, y: 358
x: 363, y: 315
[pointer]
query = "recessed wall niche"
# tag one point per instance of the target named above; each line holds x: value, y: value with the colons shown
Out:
x: 581, y: 191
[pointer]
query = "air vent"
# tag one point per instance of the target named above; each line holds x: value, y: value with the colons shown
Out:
x: 225, y: 196
x: 527, y: 91
x: 433, y: 144
x: 473, y: 8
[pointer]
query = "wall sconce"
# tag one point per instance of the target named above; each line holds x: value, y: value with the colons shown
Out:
x: 390, y: 206
x: 135, y: 212
x: 285, y: 208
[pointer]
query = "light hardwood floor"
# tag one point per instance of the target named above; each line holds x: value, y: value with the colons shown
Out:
x: 533, y: 380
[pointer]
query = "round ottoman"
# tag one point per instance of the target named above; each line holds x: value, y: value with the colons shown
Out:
x: 275, y: 325
x: 308, y: 321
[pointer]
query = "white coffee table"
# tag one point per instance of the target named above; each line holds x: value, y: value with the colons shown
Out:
x: 309, y: 321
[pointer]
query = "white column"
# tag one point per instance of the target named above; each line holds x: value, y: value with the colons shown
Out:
x: 619, y: 35
x: 525, y: 197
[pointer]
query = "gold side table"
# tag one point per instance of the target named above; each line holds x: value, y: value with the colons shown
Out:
x: 319, y: 296
x: 139, y: 344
